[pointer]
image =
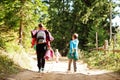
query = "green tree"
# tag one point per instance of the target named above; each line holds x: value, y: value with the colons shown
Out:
x: 69, y: 16
x: 102, y: 36
x: 22, y: 16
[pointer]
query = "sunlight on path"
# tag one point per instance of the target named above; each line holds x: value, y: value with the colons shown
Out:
x: 58, y: 71
x: 52, y: 66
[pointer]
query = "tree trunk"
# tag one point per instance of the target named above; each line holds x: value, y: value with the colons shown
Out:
x: 21, y: 23
x: 20, y: 31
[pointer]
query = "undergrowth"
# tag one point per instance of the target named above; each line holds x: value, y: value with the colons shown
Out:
x: 101, y: 60
x: 7, y: 66
x: 15, y: 53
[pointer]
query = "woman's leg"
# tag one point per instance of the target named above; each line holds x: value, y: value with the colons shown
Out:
x: 43, y: 52
x: 43, y: 63
x: 38, y: 57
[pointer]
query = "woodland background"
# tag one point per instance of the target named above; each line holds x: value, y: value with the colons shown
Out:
x: 62, y: 18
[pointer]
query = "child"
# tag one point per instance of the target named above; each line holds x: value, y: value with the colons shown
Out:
x: 57, y: 54
x: 73, y: 52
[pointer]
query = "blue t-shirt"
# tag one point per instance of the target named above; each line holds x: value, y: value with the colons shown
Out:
x: 73, y: 49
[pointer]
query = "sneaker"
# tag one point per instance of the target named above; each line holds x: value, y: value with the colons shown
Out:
x: 42, y: 69
x: 75, y: 71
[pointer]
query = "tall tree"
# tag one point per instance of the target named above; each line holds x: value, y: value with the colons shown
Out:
x: 22, y: 15
x: 81, y: 16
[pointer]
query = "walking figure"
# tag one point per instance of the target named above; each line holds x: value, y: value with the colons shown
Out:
x: 42, y: 38
x: 57, y: 55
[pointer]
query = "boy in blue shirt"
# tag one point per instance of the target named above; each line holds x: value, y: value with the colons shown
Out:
x: 73, y: 52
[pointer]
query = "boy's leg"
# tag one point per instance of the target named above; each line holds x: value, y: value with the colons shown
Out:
x: 69, y: 64
x: 74, y: 64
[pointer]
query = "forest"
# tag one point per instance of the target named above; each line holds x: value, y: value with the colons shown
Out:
x: 91, y: 19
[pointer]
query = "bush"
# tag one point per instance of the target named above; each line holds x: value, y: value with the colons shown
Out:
x: 7, y: 66
x: 2, y: 43
x: 101, y: 60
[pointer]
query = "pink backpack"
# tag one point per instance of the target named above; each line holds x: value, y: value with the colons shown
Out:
x: 49, y: 54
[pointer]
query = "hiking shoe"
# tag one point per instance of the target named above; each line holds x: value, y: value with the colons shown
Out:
x: 42, y: 69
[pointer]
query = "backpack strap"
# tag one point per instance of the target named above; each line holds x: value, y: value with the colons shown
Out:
x: 47, y: 35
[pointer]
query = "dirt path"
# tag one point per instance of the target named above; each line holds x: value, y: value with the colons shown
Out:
x: 58, y: 71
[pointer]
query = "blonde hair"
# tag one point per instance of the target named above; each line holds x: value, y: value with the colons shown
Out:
x: 75, y: 35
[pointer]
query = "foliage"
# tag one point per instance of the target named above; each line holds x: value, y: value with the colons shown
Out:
x: 22, y: 16
x: 117, y: 40
x: 69, y: 16
x: 109, y: 60
x: 101, y: 36
x: 14, y: 49
x: 66, y: 16
x: 101, y: 60
x: 2, y: 42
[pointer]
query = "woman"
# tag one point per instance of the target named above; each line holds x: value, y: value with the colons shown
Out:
x: 42, y: 38
x: 73, y: 52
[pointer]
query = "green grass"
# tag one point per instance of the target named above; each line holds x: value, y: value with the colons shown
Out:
x: 101, y: 60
